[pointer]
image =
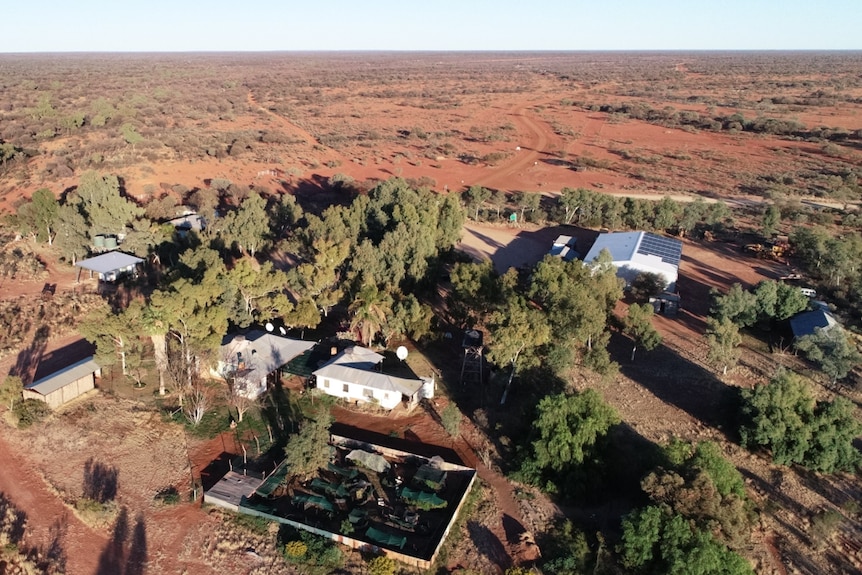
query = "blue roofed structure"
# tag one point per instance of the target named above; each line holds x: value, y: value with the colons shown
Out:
x: 807, y: 323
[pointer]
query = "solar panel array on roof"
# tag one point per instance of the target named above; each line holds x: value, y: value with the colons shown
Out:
x: 668, y: 249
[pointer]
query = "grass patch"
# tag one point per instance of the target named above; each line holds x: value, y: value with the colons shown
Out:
x: 213, y: 423
x: 95, y: 514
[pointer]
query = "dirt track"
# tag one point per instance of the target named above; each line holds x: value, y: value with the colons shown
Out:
x: 49, y: 522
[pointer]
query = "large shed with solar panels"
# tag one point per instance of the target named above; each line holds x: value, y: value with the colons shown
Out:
x: 636, y: 252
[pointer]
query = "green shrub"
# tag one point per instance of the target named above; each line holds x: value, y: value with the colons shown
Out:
x: 295, y: 550
x: 31, y: 411
x: 451, y: 419
x: 312, y: 554
x: 168, y: 495
x: 381, y: 566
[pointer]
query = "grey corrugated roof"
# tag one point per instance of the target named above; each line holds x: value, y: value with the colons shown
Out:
x: 64, y: 377
x: 354, y: 365
x: 370, y: 379
x: 271, y: 351
x: 109, y: 262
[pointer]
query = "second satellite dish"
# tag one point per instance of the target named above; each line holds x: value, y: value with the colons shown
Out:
x: 269, y: 326
x: 401, y: 352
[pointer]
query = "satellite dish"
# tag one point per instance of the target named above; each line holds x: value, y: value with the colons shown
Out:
x: 269, y: 326
x: 401, y: 352
x: 282, y: 330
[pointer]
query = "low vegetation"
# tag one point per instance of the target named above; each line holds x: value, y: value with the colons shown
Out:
x: 377, y: 264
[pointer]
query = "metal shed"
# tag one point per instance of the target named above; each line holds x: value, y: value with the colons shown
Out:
x: 65, y: 385
x: 109, y: 266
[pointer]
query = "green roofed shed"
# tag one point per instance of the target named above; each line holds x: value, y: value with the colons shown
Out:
x: 386, y: 539
x: 422, y: 499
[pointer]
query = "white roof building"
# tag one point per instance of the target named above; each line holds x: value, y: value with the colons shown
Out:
x: 353, y: 375
x: 636, y: 252
x: 109, y: 266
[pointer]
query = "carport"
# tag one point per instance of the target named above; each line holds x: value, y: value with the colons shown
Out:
x: 109, y: 266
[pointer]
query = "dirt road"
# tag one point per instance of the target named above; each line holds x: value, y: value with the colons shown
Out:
x: 527, y: 156
x: 49, y: 522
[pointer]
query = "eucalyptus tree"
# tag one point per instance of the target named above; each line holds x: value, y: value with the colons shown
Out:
x: 526, y: 201
x: 724, y: 339
x: 832, y: 350
x: 111, y: 332
x: 474, y: 197
x: 196, y: 318
x: 247, y: 228
x: 319, y: 277
x: 638, y: 326
x: 106, y: 210
x: 517, y: 329
x: 38, y: 216
x: 71, y: 238
x: 259, y: 290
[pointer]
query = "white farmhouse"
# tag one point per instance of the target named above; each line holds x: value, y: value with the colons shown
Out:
x: 253, y: 357
x: 636, y: 252
x: 354, y: 375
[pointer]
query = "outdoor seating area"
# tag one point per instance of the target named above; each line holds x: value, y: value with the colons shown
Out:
x: 393, y: 501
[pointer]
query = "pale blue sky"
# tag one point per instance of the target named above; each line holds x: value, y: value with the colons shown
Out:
x: 234, y: 25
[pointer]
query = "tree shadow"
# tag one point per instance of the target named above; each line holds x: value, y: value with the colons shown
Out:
x: 126, y: 553
x: 45, y: 559
x: 280, y: 413
x: 488, y: 544
x: 100, y: 481
x: 14, y: 519
x: 314, y: 194
x: 679, y: 382
x: 28, y: 360
x: 54, y: 552
x: 215, y: 470
x: 112, y: 559
x: 57, y: 359
x: 411, y: 445
x: 512, y: 528
x: 136, y: 559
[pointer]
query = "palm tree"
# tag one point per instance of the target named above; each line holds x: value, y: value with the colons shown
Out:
x: 370, y: 310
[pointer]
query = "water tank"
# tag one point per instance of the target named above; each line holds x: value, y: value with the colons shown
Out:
x: 427, y: 391
x: 99, y: 241
x: 110, y: 242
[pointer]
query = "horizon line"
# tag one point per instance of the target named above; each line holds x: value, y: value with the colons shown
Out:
x: 440, y: 51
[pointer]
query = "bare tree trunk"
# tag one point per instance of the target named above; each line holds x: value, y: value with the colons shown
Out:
x: 508, y: 384
x: 161, y: 355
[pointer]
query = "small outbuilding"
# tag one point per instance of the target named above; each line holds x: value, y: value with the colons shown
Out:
x: 564, y: 247
x: 110, y: 266
x: 65, y: 385
x: 190, y: 221
x: 808, y: 322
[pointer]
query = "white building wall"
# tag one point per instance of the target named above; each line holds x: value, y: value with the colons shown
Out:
x: 629, y: 270
x: 356, y: 392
